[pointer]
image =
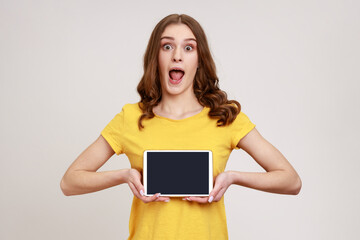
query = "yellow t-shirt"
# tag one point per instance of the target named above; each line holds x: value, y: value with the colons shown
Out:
x: 178, y: 219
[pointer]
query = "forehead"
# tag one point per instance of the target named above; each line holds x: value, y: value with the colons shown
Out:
x: 178, y: 31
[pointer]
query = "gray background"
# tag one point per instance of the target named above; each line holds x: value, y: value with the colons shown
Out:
x: 67, y: 67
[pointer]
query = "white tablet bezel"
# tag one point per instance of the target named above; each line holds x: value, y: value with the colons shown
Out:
x: 181, y: 195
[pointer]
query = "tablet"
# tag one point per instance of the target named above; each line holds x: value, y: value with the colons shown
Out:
x: 178, y: 173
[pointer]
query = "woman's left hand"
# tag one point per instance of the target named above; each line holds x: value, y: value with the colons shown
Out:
x: 222, y: 182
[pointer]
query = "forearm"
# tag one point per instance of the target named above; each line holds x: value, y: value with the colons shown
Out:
x: 81, y: 181
x: 278, y: 181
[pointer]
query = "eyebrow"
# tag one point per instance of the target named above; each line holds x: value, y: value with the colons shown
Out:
x: 171, y: 38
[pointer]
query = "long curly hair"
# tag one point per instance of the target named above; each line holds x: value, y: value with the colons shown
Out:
x: 206, y: 83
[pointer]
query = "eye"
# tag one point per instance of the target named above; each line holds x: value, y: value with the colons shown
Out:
x: 167, y: 46
x: 188, y: 48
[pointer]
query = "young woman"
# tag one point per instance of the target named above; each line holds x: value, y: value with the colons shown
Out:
x: 181, y: 107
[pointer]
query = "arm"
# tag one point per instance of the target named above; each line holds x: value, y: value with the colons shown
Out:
x: 280, y: 176
x: 81, y: 177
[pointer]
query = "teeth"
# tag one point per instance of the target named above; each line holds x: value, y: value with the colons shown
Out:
x: 176, y: 69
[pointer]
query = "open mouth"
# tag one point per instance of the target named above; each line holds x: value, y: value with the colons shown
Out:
x: 176, y: 75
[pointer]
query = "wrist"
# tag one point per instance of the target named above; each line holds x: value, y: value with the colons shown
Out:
x: 231, y: 177
x: 122, y: 176
x: 127, y: 175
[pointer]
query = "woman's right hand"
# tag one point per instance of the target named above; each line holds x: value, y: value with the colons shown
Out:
x: 134, y: 182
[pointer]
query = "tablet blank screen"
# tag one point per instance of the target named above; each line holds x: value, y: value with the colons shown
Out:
x: 178, y: 172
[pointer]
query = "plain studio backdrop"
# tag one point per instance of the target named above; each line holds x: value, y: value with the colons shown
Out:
x: 68, y: 67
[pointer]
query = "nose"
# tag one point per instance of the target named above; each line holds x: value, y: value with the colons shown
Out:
x: 177, y: 55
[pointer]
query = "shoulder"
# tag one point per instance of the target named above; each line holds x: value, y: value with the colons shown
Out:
x: 129, y: 110
x: 242, y: 116
x: 131, y: 113
x: 132, y: 108
x: 241, y: 119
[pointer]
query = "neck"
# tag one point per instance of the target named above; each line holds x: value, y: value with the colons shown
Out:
x: 179, y: 104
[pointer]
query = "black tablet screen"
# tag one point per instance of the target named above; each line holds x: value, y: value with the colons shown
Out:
x: 178, y: 173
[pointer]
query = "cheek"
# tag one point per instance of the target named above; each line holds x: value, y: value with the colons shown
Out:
x: 161, y: 63
x: 194, y: 61
x: 194, y: 64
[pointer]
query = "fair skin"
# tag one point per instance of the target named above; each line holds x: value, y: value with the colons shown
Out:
x: 178, y: 102
x: 178, y: 50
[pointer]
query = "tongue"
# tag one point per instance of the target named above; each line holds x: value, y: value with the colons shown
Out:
x: 176, y: 75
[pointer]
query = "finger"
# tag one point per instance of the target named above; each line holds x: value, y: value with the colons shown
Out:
x: 134, y: 190
x: 213, y: 194
x: 152, y: 198
x: 186, y: 198
x: 139, y: 187
x: 146, y: 199
x: 163, y: 199
x: 198, y: 199
x: 219, y: 195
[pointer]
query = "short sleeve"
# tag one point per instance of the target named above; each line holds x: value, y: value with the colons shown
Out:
x: 239, y: 128
x: 114, y: 133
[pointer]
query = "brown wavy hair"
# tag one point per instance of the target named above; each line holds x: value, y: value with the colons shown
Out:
x: 206, y: 83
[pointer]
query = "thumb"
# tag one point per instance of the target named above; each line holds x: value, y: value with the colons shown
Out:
x: 139, y: 187
x: 214, y: 193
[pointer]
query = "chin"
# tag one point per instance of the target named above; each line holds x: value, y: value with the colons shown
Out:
x: 174, y: 91
x: 177, y: 91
